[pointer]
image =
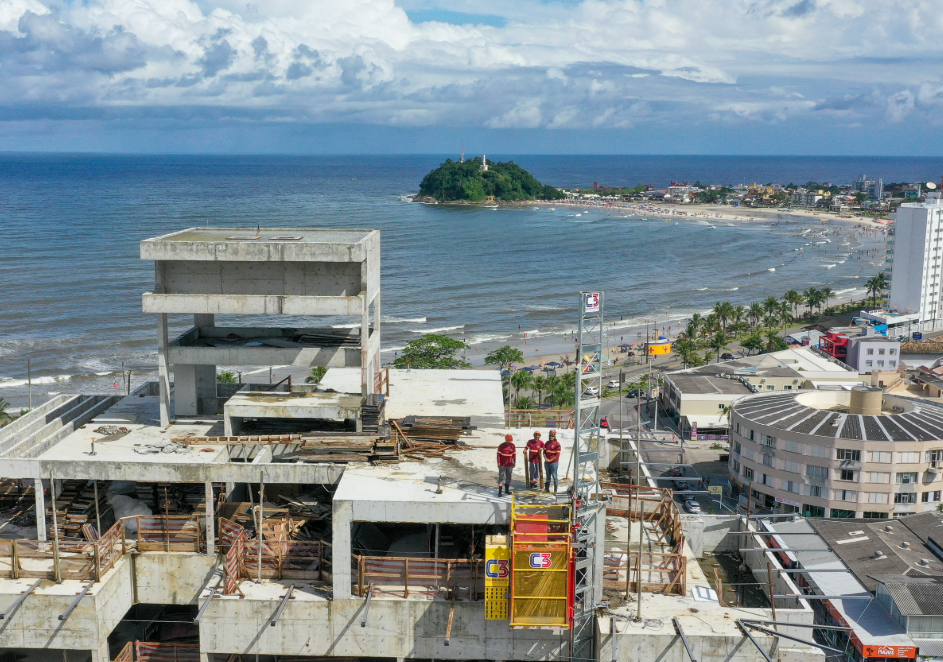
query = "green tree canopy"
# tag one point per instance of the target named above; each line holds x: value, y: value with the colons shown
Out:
x: 432, y: 350
x: 453, y: 181
x: 505, y: 357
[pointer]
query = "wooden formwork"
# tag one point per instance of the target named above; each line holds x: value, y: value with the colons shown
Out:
x: 169, y: 533
x: 146, y: 651
x: 73, y: 559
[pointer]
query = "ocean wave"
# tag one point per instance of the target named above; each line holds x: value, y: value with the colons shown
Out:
x: 403, y: 320
x: 829, y: 266
x: 441, y: 329
x: 732, y: 289
x: 12, y: 383
x: 772, y: 269
x: 393, y: 349
x: 488, y: 337
x: 345, y: 326
x: 699, y: 289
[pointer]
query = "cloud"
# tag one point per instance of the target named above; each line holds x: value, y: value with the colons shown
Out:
x: 528, y: 65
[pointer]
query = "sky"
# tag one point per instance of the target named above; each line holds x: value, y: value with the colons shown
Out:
x: 857, y: 77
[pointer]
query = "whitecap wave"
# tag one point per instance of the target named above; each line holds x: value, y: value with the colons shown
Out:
x: 12, y: 383
x: 829, y: 266
x: 403, y: 320
x: 441, y: 329
x: 772, y: 269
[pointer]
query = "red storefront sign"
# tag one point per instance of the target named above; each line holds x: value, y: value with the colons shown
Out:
x: 899, y: 652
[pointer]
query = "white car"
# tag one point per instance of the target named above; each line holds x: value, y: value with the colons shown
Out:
x: 613, y: 383
x: 692, y: 507
x: 591, y: 390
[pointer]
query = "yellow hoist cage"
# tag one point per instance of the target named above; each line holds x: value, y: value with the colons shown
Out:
x: 540, y: 594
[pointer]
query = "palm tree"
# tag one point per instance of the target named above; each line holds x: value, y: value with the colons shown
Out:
x: 737, y: 314
x: 875, y: 286
x: 539, y: 384
x: 691, y: 331
x: 755, y: 313
x: 523, y: 403
x: 770, y: 322
x: 722, y: 311
x: 563, y: 393
x: 521, y: 379
x: 811, y: 297
x: 696, y: 319
x: 5, y: 416
x: 685, y: 348
x: 794, y: 299
x: 553, y: 381
x: 826, y: 293
x: 785, y: 312
x: 719, y: 343
x: 771, y: 305
x: 772, y: 340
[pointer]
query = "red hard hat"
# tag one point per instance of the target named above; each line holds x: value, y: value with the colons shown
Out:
x: 508, y: 437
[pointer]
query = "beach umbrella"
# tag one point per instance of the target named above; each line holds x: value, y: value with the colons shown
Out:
x: 528, y: 369
x: 534, y: 367
x: 554, y: 364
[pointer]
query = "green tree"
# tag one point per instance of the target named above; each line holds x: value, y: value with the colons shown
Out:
x: 794, y: 299
x: 521, y: 379
x: 755, y: 313
x: 432, y: 350
x: 753, y: 343
x: 539, y: 384
x: 226, y: 377
x: 718, y: 343
x: 505, y: 357
x: 467, y: 181
x: 770, y: 305
x: 825, y: 294
x: 5, y: 416
x: 523, y: 402
x: 317, y: 374
x: 774, y: 342
x: 811, y: 297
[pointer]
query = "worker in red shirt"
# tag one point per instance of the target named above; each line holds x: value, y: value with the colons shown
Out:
x: 507, y: 458
x: 552, y: 450
x: 534, y: 446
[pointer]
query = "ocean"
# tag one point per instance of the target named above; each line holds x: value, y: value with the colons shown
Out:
x: 71, y: 278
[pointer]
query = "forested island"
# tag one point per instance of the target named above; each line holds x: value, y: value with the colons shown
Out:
x: 477, y: 180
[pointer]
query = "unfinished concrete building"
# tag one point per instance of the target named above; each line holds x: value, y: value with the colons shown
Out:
x: 224, y: 271
x: 122, y: 538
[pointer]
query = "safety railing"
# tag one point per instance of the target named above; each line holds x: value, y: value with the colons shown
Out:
x: 381, y: 381
x: 69, y: 558
x: 454, y: 579
x: 660, y: 572
x: 147, y: 651
x: 126, y: 654
x: 660, y: 508
x: 286, y: 559
x: 540, y: 418
x: 168, y: 533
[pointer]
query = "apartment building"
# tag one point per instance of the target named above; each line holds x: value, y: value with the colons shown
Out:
x: 915, y: 253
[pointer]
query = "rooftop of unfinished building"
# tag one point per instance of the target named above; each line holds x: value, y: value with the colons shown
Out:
x: 266, y: 235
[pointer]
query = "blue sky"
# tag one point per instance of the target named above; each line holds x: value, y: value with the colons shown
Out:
x: 421, y: 76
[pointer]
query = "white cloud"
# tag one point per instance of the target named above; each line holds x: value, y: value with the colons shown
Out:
x: 596, y: 63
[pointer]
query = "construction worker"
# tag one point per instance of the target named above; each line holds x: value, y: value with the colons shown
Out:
x: 534, y: 446
x: 552, y: 452
x: 507, y: 458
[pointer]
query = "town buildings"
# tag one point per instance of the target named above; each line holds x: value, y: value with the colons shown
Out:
x: 863, y: 348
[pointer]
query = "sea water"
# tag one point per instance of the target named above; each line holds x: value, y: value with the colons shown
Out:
x: 71, y: 277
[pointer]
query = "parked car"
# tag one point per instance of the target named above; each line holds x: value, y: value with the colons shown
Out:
x: 682, y: 485
x: 613, y: 383
x: 727, y: 356
x: 591, y: 390
x: 634, y: 393
x: 604, y: 422
x: 693, y: 507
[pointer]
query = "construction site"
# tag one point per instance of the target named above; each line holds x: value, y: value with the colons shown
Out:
x: 355, y: 518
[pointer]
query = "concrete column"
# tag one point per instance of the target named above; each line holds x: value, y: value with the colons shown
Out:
x: 210, y: 519
x: 340, y: 548
x: 163, y: 369
x: 102, y: 654
x: 365, y: 370
x: 375, y: 361
x: 40, y: 510
x: 200, y: 321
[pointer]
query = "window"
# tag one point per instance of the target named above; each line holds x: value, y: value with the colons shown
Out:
x: 766, y: 480
x: 846, y: 454
x: 812, y: 511
x: 934, y: 456
x: 892, y: 364
x: 870, y: 351
x: 813, y: 490
x: 769, y: 441
x: 869, y: 363
x: 876, y: 497
x: 770, y: 387
x: 768, y: 460
x: 908, y: 458
x: 736, y: 447
x: 880, y: 352
x: 791, y: 446
x: 816, y: 472
x: 892, y: 352
x: 907, y: 477
x: 847, y: 474
x: 791, y: 467
x: 873, y: 514
x: 748, y: 473
x: 927, y: 497
x: 787, y: 387
x: 736, y: 427
x: 750, y: 434
x: 721, y: 406
x: 791, y: 486
x: 736, y: 467
x: 880, y: 364
x: 909, y: 497
x: 846, y: 495
x: 879, y: 477
x: 844, y: 514
x: 881, y: 456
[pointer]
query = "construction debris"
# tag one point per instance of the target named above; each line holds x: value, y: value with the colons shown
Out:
x: 111, y: 429
x: 162, y: 447
x: 443, y: 429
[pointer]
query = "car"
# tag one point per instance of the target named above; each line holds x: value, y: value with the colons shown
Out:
x: 634, y: 393
x: 693, y: 507
x: 675, y: 472
x: 604, y: 422
x: 682, y: 485
x: 727, y: 356
x: 613, y: 383
x: 591, y: 390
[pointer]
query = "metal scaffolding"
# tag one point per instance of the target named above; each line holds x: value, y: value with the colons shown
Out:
x: 588, y: 441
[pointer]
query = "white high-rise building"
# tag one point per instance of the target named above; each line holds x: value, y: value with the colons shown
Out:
x: 915, y: 252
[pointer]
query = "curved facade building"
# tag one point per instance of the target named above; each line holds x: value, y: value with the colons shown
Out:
x: 858, y: 453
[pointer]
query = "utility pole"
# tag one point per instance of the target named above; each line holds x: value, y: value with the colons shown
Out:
x: 29, y: 381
